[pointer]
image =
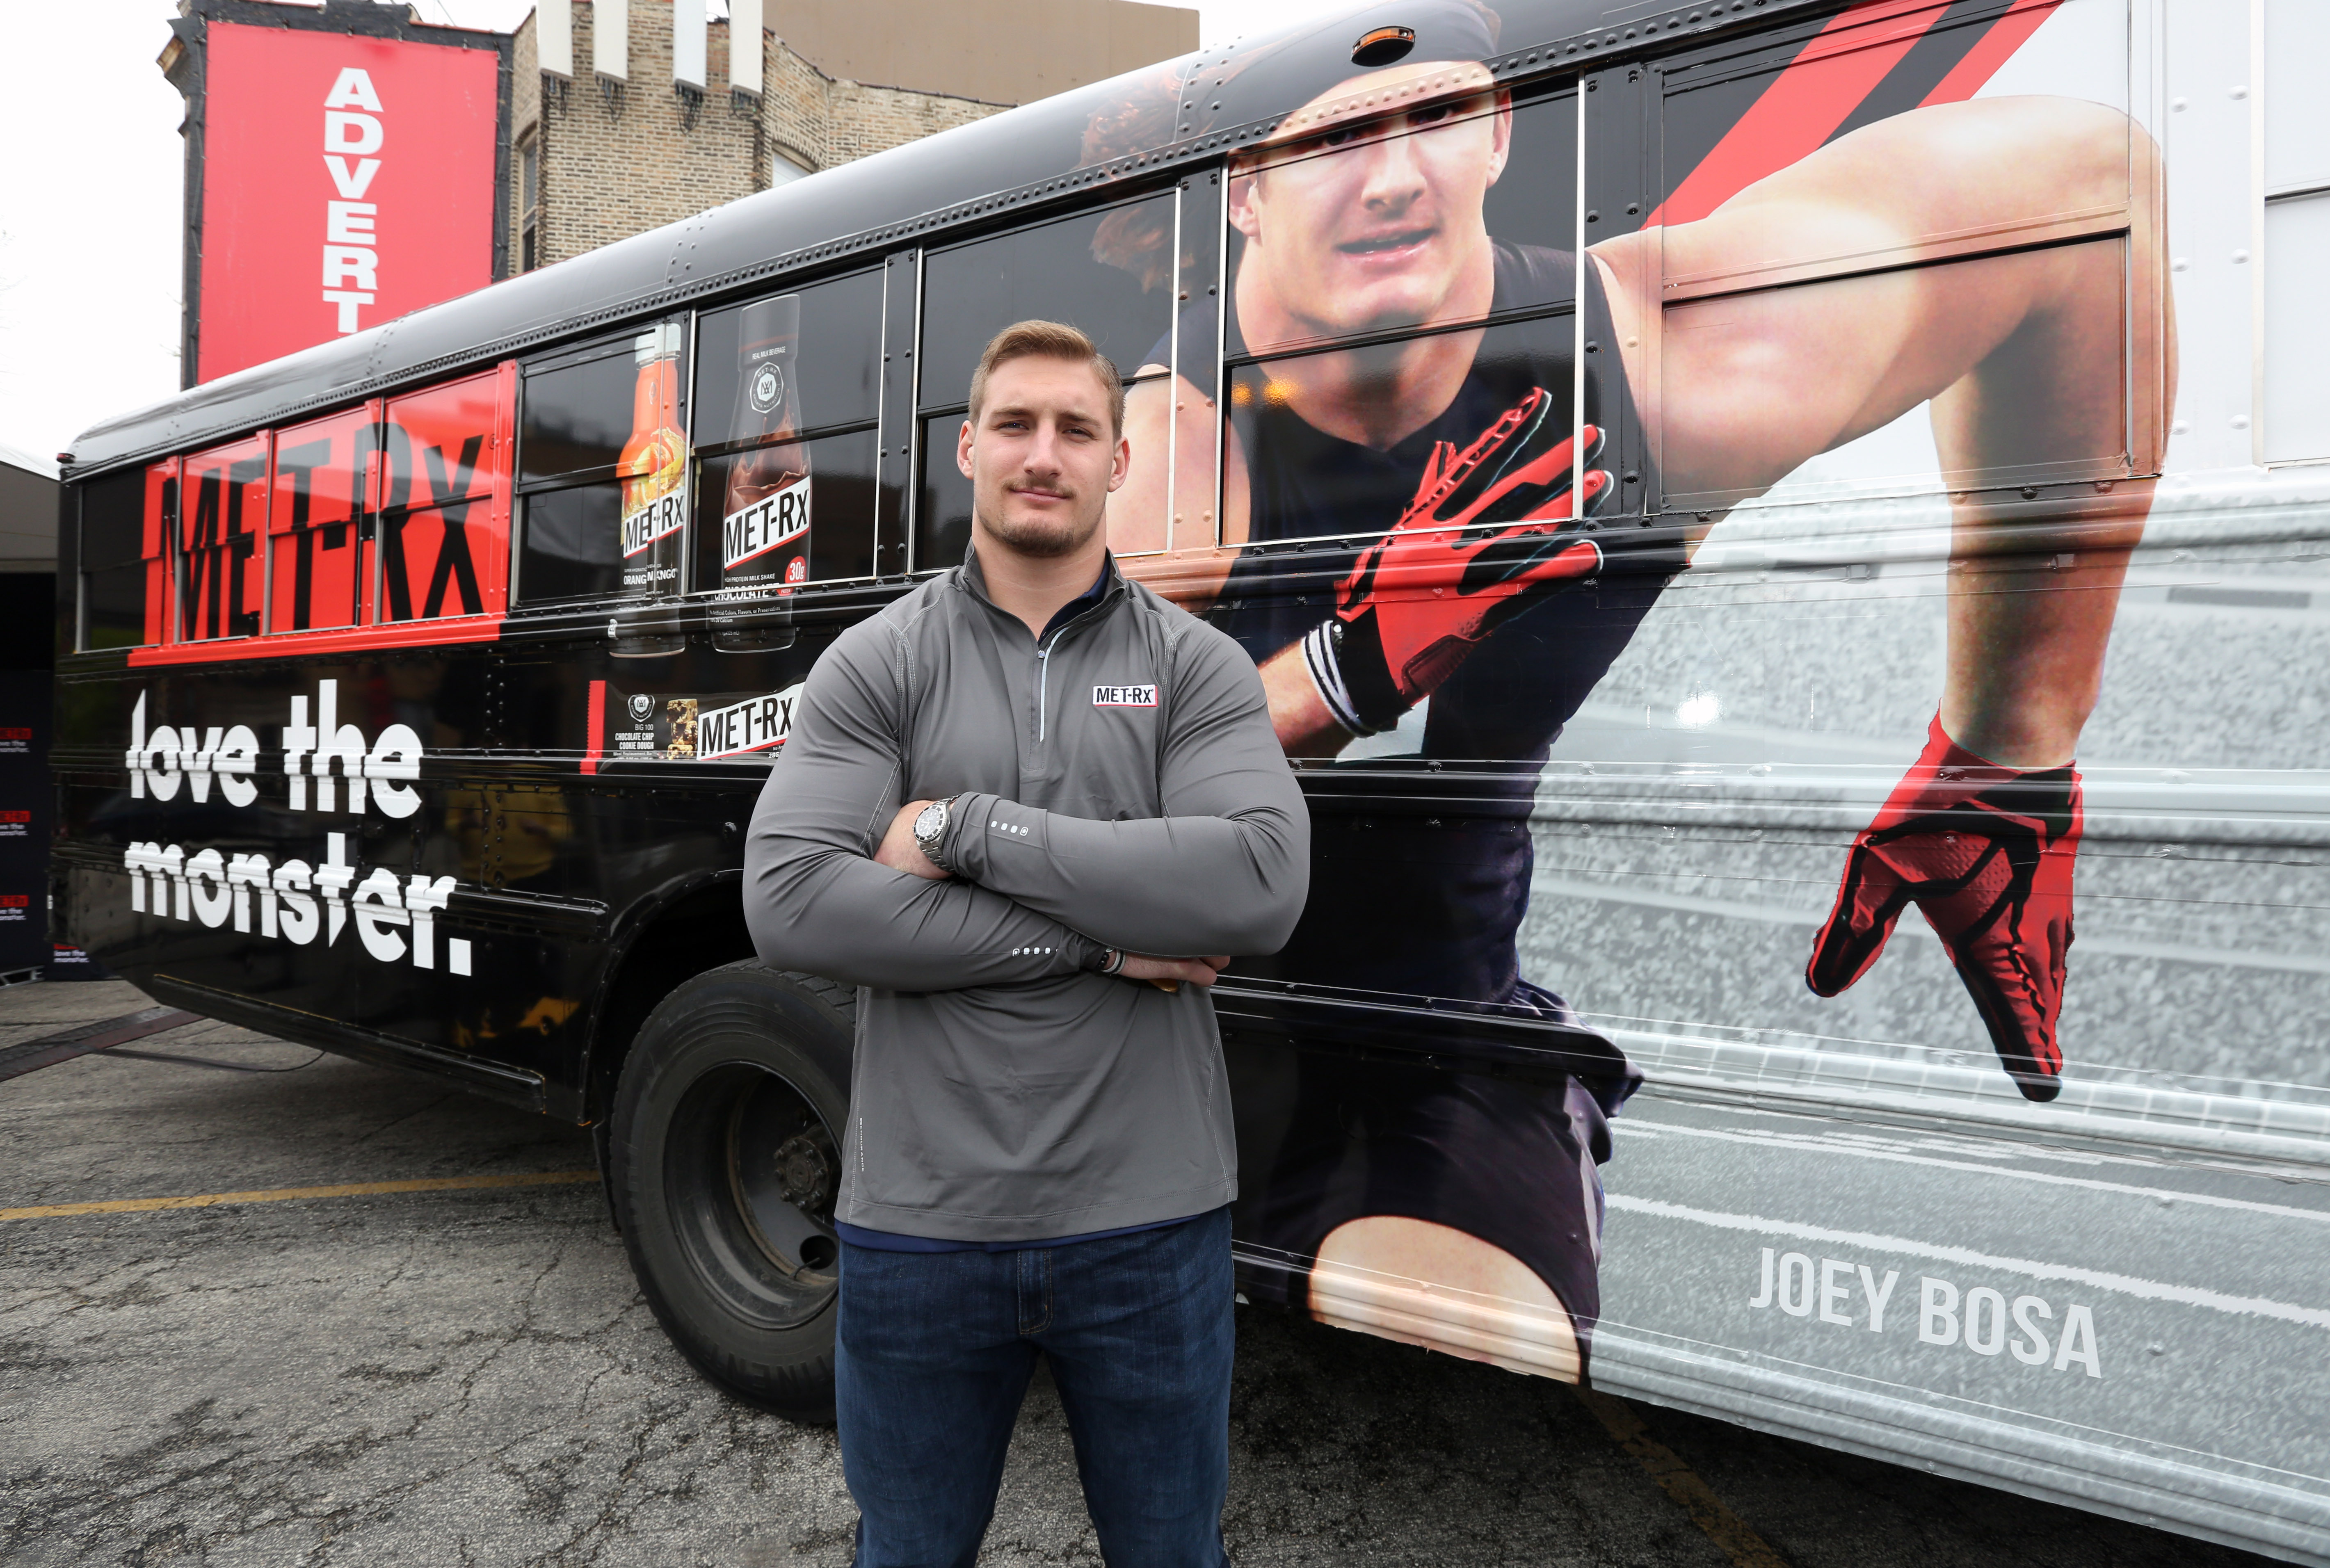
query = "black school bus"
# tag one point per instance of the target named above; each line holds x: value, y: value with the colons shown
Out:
x: 1922, y: 401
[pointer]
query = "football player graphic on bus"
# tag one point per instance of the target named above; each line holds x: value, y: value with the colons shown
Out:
x: 1447, y: 436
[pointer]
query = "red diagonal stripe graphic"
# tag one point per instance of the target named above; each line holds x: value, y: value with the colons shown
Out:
x: 1805, y: 104
x: 1999, y: 39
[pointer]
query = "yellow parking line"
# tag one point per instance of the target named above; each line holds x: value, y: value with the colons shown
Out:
x: 1730, y: 1531
x: 280, y: 1194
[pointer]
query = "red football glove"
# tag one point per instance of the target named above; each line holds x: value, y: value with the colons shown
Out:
x: 1491, y: 531
x: 1986, y: 854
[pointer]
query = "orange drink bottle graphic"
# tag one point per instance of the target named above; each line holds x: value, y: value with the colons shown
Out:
x: 654, y: 468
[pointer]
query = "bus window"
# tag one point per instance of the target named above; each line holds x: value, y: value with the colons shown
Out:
x: 316, y: 555
x: 1341, y: 226
x: 611, y: 417
x: 2297, y: 418
x: 576, y: 414
x: 943, y: 510
x: 755, y: 507
x: 444, y: 517
x: 1319, y: 486
x: 1109, y: 274
x: 1744, y: 112
x: 569, y: 543
x: 125, y: 531
x: 836, y: 371
x: 1777, y: 262
x: 2028, y: 432
x: 220, y: 573
x: 1354, y: 348
x: 788, y: 390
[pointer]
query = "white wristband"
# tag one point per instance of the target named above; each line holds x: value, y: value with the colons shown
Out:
x: 1326, y: 671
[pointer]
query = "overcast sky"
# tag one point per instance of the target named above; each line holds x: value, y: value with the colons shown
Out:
x: 91, y: 196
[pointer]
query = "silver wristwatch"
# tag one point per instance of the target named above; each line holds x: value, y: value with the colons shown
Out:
x: 930, y: 831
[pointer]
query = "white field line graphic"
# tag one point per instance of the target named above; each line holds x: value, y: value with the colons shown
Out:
x: 1808, y: 1143
x: 1550, y: 887
x: 2125, y: 1284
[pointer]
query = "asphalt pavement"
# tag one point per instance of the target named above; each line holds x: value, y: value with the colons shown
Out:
x: 440, y: 1359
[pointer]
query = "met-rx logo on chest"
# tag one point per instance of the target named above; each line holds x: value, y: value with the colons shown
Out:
x: 1124, y: 696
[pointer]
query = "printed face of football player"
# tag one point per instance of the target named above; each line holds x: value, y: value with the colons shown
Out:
x: 1386, y: 230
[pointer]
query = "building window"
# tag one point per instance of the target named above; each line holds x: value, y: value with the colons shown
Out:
x: 529, y: 183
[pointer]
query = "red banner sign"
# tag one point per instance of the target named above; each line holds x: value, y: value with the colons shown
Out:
x: 345, y: 180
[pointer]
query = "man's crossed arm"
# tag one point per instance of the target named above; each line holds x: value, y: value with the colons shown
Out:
x: 1225, y: 871
x: 901, y: 851
x: 815, y: 901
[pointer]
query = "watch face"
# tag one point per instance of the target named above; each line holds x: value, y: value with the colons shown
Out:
x: 930, y: 821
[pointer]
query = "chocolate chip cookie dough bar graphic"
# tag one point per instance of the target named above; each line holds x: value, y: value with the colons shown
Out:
x: 680, y: 727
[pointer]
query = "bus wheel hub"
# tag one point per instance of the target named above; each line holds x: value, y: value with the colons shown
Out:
x: 804, y: 1173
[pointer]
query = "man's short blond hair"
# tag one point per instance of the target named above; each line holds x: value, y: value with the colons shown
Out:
x: 1047, y: 340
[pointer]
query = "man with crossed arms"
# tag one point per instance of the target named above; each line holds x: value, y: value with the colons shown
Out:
x: 1030, y: 808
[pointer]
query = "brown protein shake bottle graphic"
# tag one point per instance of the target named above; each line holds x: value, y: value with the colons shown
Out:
x: 765, y: 515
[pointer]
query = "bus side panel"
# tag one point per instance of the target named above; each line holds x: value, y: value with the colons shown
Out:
x: 1889, y: 720
x: 509, y: 836
x: 284, y: 830
x: 2004, y: 1193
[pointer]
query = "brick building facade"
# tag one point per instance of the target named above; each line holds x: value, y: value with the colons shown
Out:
x: 595, y: 160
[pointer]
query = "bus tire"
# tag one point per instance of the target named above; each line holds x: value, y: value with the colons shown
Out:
x: 724, y: 1161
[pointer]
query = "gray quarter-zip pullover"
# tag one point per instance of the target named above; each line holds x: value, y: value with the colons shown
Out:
x: 1121, y: 786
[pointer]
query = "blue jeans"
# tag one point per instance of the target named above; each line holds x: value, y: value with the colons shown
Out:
x: 934, y: 1353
